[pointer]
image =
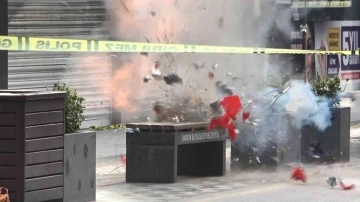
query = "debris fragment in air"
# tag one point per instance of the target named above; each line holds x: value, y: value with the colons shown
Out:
x: 147, y: 79
x: 171, y: 79
x: 146, y: 54
x: 176, y: 119
x: 215, y: 66
x: 123, y: 160
x: 221, y: 23
x: 197, y: 66
x: 211, y: 75
x: 298, y: 174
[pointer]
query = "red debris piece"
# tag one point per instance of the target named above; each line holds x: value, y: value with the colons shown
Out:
x: 232, y: 106
x: 157, y: 65
x: 246, y: 116
x: 123, y: 159
x: 346, y: 187
x: 298, y: 174
x: 211, y: 75
x: 219, y: 122
x: 223, y: 122
x: 231, y: 131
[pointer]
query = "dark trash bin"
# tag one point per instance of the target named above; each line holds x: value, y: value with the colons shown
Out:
x: 266, y: 146
x: 331, y: 145
x: 159, y: 152
x: 32, y: 145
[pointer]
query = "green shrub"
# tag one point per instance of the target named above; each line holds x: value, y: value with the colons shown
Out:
x: 328, y: 88
x: 74, y: 109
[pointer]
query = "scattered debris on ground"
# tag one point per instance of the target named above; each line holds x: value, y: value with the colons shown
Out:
x: 107, y: 128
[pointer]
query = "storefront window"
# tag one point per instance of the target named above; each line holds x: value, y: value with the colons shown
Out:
x: 327, y: 25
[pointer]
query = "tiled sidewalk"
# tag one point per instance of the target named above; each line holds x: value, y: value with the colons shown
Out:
x: 112, y: 187
x: 111, y: 184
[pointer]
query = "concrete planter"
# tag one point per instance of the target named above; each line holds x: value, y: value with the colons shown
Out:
x: 334, y: 141
x: 80, y: 167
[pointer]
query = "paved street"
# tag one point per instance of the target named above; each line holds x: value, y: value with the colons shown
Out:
x: 256, y: 186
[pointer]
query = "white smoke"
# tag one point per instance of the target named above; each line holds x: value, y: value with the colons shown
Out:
x: 304, y: 106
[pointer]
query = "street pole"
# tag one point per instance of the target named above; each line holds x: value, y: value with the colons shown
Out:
x: 3, y: 54
x: 305, y: 40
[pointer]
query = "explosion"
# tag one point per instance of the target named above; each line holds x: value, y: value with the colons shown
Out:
x: 165, y: 86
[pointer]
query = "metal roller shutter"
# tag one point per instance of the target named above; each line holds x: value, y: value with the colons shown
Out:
x: 35, y: 70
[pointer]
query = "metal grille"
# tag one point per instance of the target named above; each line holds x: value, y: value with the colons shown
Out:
x: 40, y: 70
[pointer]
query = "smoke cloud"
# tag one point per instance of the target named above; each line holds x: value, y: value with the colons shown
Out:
x: 228, y: 23
x: 303, y: 106
x: 207, y: 22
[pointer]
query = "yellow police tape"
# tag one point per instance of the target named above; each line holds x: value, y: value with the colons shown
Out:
x: 18, y: 43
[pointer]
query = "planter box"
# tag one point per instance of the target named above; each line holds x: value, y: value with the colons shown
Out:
x: 80, y: 167
x: 279, y: 144
x: 334, y: 141
x: 32, y: 145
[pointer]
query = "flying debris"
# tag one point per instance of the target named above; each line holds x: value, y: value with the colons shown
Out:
x: 332, y: 181
x: 126, y: 7
x: 146, y: 54
x: 298, y: 174
x: 232, y: 76
x: 215, y: 107
x: 123, y: 160
x: 215, y: 66
x: 223, y: 90
x: 316, y: 149
x: 277, y: 97
x: 221, y: 22
x: 147, y: 79
x: 156, y: 73
x: 171, y: 79
x: 211, y: 75
x: 235, y: 160
x: 246, y: 116
x: 232, y: 106
x: 147, y: 39
x: 275, y: 159
x: 157, y: 65
x: 176, y: 119
x: 197, y: 66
